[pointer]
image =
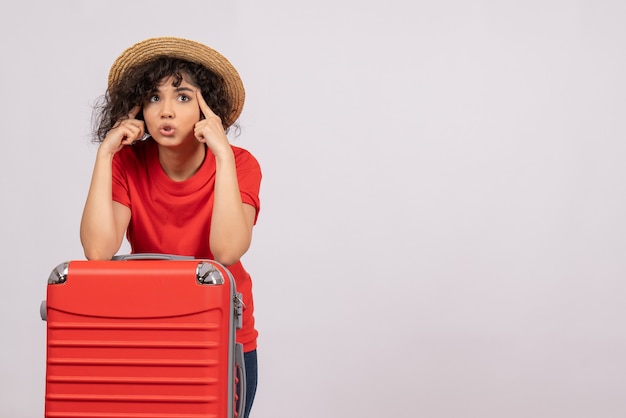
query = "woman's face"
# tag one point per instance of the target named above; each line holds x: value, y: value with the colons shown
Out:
x: 171, y: 112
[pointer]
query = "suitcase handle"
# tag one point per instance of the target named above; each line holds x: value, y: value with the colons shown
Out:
x: 151, y: 256
x: 43, y: 311
x: 240, y: 366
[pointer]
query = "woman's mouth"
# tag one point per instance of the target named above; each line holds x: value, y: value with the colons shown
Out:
x: 166, y: 130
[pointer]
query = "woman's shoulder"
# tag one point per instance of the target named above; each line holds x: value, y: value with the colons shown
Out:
x: 246, y: 163
x: 137, y: 152
x: 243, y: 156
x: 241, y: 151
x: 135, y: 158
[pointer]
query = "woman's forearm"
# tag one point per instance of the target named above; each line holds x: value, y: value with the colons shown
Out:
x: 99, y: 233
x: 232, y: 221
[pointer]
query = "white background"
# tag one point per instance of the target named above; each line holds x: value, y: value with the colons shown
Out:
x: 442, y: 227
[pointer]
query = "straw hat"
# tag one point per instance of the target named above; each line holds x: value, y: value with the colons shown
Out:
x: 188, y: 50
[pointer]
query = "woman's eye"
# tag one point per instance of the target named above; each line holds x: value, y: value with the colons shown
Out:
x: 183, y: 98
x: 153, y: 98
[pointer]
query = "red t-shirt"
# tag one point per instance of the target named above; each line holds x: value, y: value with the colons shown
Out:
x: 171, y: 217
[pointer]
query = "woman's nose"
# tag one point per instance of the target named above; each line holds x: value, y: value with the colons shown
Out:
x: 166, y: 111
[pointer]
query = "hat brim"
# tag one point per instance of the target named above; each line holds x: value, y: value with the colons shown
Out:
x: 188, y: 50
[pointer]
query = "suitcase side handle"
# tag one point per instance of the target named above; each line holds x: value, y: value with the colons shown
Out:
x: 240, y: 367
x: 151, y: 256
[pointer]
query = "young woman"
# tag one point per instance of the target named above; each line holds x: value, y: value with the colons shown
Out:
x: 165, y: 174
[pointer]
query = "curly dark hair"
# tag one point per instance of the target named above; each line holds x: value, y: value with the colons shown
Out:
x: 140, y: 82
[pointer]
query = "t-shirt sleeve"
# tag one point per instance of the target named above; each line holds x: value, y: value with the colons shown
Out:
x: 249, y: 177
x: 120, y: 183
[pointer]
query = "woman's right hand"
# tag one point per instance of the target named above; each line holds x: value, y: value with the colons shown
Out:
x: 125, y: 132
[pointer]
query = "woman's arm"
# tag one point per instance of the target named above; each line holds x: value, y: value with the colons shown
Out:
x: 232, y: 220
x: 104, y: 221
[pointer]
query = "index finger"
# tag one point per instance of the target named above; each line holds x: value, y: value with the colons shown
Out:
x: 204, y: 107
x: 134, y: 112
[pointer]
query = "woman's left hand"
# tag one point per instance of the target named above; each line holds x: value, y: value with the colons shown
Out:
x: 210, y: 130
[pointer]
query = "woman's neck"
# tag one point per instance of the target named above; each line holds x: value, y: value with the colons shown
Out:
x: 181, y: 163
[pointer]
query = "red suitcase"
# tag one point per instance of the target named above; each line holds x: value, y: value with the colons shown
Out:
x: 137, y: 338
